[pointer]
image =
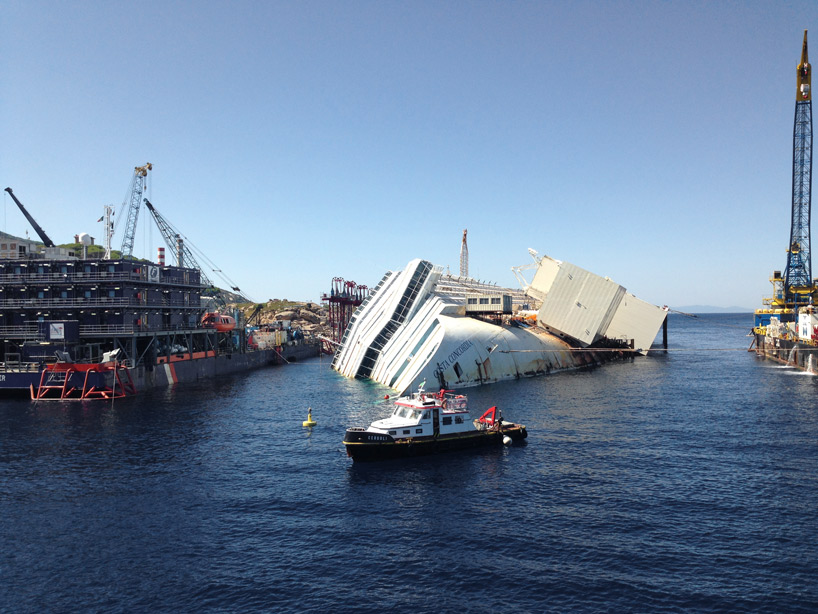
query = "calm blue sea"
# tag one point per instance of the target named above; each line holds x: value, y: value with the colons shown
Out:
x: 684, y: 482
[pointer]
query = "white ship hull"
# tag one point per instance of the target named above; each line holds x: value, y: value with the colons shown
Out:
x: 414, y: 327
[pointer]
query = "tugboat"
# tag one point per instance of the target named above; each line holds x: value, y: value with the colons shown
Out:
x: 423, y: 423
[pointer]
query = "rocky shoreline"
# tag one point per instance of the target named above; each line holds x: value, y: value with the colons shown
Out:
x: 311, y: 318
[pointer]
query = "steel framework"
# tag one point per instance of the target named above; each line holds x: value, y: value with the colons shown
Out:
x: 140, y: 174
x: 175, y: 243
x: 798, y: 274
x: 799, y: 262
x: 343, y: 300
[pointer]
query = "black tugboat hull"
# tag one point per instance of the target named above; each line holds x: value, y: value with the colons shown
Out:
x: 366, y: 446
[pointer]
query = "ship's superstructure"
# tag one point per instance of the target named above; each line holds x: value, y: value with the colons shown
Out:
x: 420, y: 324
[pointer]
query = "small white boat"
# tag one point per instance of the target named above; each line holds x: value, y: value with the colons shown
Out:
x: 424, y: 423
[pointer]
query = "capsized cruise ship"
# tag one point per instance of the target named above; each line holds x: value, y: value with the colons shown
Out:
x: 420, y: 324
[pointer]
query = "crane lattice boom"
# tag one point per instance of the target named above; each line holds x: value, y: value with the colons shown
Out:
x: 799, y: 260
x: 174, y: 243
x: 44, y: 237
x: 140, y: 174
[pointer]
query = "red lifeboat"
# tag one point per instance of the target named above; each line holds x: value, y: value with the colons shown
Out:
x: 219, y: 321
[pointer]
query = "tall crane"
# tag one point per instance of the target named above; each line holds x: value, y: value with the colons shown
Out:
x: 44, y: 237
x: 464, y: 256
x: 138, y: 181
x: 798, y: 283
x: 185, y: 257
x: 177, y: 245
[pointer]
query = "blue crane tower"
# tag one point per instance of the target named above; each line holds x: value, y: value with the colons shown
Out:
x: 137, y: 187
x: 798, y: 282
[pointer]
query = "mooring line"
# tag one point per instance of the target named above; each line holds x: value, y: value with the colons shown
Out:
x: 630, y: 351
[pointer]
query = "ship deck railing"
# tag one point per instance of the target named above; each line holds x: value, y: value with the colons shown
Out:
x: 28, y: 333
x: 105, y: 330
x: 13, y: 366
x: 103, y: 301
x: 33, y: 333
x: 98, y: 276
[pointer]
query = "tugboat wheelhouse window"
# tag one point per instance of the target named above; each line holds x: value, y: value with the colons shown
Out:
x: 406, y: 412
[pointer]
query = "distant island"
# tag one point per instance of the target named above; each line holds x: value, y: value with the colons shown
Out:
x: 712, y: 309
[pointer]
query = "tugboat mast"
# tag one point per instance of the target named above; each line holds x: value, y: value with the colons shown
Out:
x: 798, y: 284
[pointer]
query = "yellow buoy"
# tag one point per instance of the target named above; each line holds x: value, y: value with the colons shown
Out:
x: 309, y: 421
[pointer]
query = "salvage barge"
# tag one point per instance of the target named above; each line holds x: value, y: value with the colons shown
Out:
x: 79, y: 327
x: 420, y: 324
x: 105, y: 319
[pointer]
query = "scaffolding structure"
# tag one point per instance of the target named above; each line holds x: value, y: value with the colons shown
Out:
x: 343, y: 300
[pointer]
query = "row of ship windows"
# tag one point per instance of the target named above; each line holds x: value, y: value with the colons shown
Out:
x: 64, y: 268
x: 447, y: 420
x: 495, y: 300
x: 44, y: 294
x: 44, y: 269
x: 94, y: 293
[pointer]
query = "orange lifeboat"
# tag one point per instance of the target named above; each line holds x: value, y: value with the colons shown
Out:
x: 219, y: 321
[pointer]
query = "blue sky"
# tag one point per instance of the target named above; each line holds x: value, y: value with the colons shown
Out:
x: 294, y: 142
